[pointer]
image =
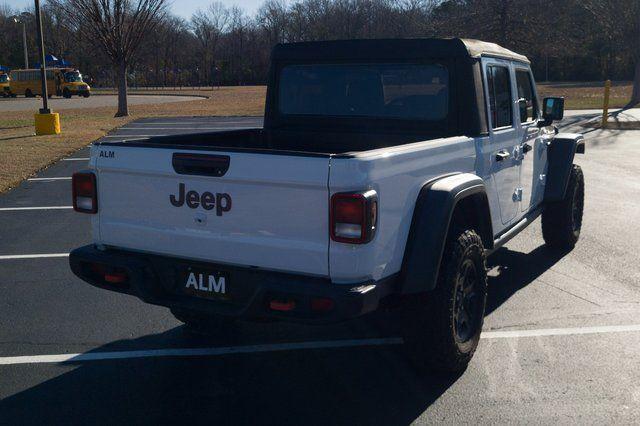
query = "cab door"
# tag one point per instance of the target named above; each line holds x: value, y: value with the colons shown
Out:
x: 532, y: 150
x: 503, y: 151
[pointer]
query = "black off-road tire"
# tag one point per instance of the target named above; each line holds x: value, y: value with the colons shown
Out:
x: 86, y: 94
x: 434, y: 339
x: 28, y: 94
x: 66, y: 94
x: 197, y: 323
x: 562, y: 220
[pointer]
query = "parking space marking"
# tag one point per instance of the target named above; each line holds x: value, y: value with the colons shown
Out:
x: 182, y: 123
x: 191, y: 352
x: 76, y: 159
x: 181, y: 128
x: 130, y: 136
x: 32, y: 256
x: 276, y: 347
x: 560, y: 331
x: 15, y: 209
x: 48, y: 179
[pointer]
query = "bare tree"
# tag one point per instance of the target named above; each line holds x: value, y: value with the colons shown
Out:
x: 118, y: 26
x: 209, y: 26
x: 273, y: 17
x: 620, y: 25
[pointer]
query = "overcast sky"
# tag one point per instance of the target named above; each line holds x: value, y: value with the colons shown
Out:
x: 184, y: 8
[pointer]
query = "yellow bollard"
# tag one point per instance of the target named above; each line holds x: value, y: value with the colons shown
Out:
x: 605, y: 106
x: 47, y: 124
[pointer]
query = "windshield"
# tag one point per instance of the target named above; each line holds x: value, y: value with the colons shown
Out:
x: 4, y: 78
x: 73, y: 77
x: 387, y: 90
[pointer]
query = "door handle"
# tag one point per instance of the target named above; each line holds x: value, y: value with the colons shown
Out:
x: 526, y: 148
x: 502, y: 155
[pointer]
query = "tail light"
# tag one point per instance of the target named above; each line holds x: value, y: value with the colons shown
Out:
x: 353, y: 217
x: 85, y: 192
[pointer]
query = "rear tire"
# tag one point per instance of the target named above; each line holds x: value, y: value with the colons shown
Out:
x: 441, y: 329
x: 562, y: 220
x: 28, y: 93
x: 66, y: 93
x: 198, y: 323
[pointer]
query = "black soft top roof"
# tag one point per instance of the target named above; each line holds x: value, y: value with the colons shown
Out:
x: 376, y: 49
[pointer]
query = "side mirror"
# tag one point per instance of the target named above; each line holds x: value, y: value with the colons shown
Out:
x: 552, y: 110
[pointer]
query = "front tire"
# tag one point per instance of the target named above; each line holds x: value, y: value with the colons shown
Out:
x: 441, y: 329
x: 562, y: 220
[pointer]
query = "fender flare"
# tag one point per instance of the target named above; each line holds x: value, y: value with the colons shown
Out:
x: 434, y: 209
x: 560, y: 155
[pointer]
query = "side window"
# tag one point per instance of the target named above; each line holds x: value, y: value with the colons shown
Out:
x: 499, y: 86
x: 528, y: 112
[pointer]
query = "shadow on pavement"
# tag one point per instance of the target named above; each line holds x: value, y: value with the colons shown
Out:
x: 365, y: 385
x: 368, y: 385
x: 517, y: 270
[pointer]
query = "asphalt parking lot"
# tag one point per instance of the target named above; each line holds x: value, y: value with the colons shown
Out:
x: 95, y: 101
x: 561, y: 341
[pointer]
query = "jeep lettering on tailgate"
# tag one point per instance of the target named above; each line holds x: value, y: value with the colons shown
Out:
x: 222, y: 202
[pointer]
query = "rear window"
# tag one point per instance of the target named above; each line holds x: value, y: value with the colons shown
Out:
x: 386, y: 90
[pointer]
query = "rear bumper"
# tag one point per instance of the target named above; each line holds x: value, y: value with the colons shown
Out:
x: 157, y: 280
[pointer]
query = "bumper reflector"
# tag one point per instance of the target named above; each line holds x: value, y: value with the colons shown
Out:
x: 282, y: 305
x: 322, y: 304
x: 115, y: 277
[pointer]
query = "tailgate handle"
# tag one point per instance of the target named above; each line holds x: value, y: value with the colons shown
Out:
x: 200, y: 164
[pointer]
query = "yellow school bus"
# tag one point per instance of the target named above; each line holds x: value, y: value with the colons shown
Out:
x: 5, y: 85
x: 60, y: 82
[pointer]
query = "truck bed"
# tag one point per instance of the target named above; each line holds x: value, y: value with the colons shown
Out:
x: 303, y: 142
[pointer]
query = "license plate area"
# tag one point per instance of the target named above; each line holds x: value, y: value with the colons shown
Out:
x: 205, y: 283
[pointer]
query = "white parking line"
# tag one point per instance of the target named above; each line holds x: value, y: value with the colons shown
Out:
x: 275, y: 347
x: 32, y: 256
x: 48, y: 179
x: 15, y: 209
x: 155, y: 353
x: 182, y: 123
x: 76, y: 159
x: 559, y: 331
x: 183, y: 128
x: 130, y: 136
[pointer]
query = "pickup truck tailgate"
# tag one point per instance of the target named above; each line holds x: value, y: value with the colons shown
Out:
x: 265, y: 210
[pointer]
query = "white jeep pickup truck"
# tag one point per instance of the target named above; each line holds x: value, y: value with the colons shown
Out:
x: 386, y: 172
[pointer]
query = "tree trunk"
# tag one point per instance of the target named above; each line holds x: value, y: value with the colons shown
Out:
x: 123, y: 107
x: 635, y: 95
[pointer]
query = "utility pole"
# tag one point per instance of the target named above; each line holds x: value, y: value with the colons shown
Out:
x: 24, y: 44
x: 47, y: 123
x: 21, y: 20
x: 43, y: 67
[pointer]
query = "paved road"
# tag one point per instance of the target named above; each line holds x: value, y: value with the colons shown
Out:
x: 96, y: 101
x: 562, y: 334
